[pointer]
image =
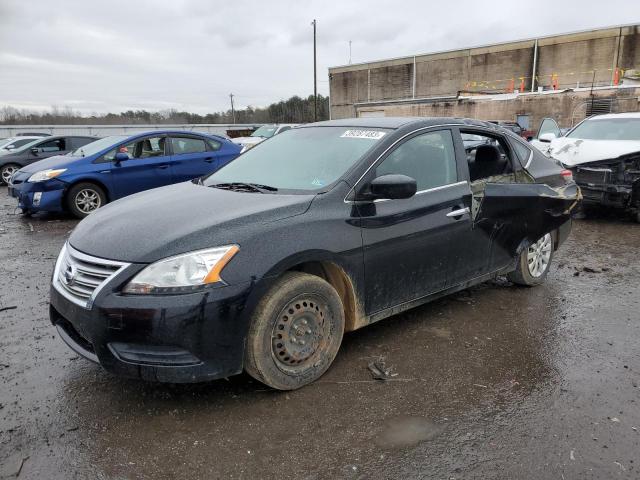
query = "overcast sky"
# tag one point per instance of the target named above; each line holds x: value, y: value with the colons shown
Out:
x: 100, y: 56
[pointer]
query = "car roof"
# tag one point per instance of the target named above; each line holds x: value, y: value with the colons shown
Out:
x: 56, y: 137
x: 25, y: 137
x: 168, y: 132
x: 397, y: 122
x: 615, y: 115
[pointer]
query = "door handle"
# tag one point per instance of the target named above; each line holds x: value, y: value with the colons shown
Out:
x: 162, y: 167
x: 458, y: 213
x: 209, y: 159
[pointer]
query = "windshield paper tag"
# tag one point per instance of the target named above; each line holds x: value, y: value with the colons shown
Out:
x: 368, y: 134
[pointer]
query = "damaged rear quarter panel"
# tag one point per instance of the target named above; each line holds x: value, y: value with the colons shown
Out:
x: 517, y: 214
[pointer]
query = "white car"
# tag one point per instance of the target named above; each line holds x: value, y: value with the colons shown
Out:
x: 603, y: 152
x: 261, y: 134
x: 8, y: 145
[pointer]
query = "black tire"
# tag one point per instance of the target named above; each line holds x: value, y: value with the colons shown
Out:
x: 85, y: 190
x: 526, y: 276
x: 295, y: 333
x: 6, y: 171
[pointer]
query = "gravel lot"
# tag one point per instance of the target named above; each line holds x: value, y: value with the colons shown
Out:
x: 495, y: 382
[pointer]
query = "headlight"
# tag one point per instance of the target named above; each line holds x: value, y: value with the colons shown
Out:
x: 182, y: 273
x: 43, y: 175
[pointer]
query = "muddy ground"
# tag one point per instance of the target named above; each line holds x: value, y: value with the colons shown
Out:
x: 496, y: 382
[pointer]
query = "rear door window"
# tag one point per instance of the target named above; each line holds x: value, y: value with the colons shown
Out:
x: 488, y: 157
x: 183, y: 145
x: 522, y: 151
x: 214, y: 145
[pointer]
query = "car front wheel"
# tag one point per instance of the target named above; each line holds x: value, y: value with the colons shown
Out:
x: 85, y: 198
x: 295, y: 333
x: 534, y: 262
x: 6, y: 172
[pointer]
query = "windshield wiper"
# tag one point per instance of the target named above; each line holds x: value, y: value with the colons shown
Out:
x: 245, y: 187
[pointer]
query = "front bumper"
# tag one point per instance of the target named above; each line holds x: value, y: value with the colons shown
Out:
x: 39, y: 196
x: 177, y: 339
x: 619, y: 196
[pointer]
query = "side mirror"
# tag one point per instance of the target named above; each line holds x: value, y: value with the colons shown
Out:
x: 9, y: 147
x: 393, y: 187
x: 121, y: 157
x: 547, y: 137
x: 34, y: 150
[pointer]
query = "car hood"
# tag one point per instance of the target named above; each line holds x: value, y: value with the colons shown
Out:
x: 248, y: 140
x: 59, y: 161
x: 575, y: 151
x: 167, y: 221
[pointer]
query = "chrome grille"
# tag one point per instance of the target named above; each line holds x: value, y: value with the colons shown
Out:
x: 79, y: 277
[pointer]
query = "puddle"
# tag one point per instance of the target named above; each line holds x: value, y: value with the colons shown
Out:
x: 403, y: 431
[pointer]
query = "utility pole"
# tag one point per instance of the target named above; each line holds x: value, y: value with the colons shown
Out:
x: 349, y: 52
x: 315, y: 78
x: 233, y: 111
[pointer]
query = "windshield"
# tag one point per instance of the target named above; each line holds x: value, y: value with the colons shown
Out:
x: 299, y: 159
x: 265, y: 131
x: 26, y: 146
x: 608, y: 129
x: 5, y: 141
x: 97, y: 146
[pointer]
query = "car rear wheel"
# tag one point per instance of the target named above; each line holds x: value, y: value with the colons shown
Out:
x: 85, y: 198
x: 7, y: 171
x: 295, y: 333
x: 534, y: 262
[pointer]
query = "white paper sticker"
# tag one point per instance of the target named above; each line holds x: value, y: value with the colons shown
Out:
x: 367, y: 134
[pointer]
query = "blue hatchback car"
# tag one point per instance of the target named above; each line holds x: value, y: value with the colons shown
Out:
x: 116, y: 166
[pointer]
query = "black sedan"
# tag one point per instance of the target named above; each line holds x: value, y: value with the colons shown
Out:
x: 324, y: 229
x: 38, y: 150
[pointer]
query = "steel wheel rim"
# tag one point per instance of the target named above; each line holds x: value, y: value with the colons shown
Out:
x: 299, y: 331
x: 87, y: 200
x: 7, y: 173
x: 539, y: 255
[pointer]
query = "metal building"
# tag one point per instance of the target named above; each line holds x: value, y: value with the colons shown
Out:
x: 567, y: 76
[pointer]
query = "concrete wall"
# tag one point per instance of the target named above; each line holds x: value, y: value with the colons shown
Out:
x: 567, y: 107
x: 570, y: 60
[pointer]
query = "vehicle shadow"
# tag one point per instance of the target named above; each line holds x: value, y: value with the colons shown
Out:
x: 451, y: 358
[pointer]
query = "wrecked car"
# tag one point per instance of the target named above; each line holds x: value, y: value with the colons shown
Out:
x: 324, y: 229
x: 603, y: 153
